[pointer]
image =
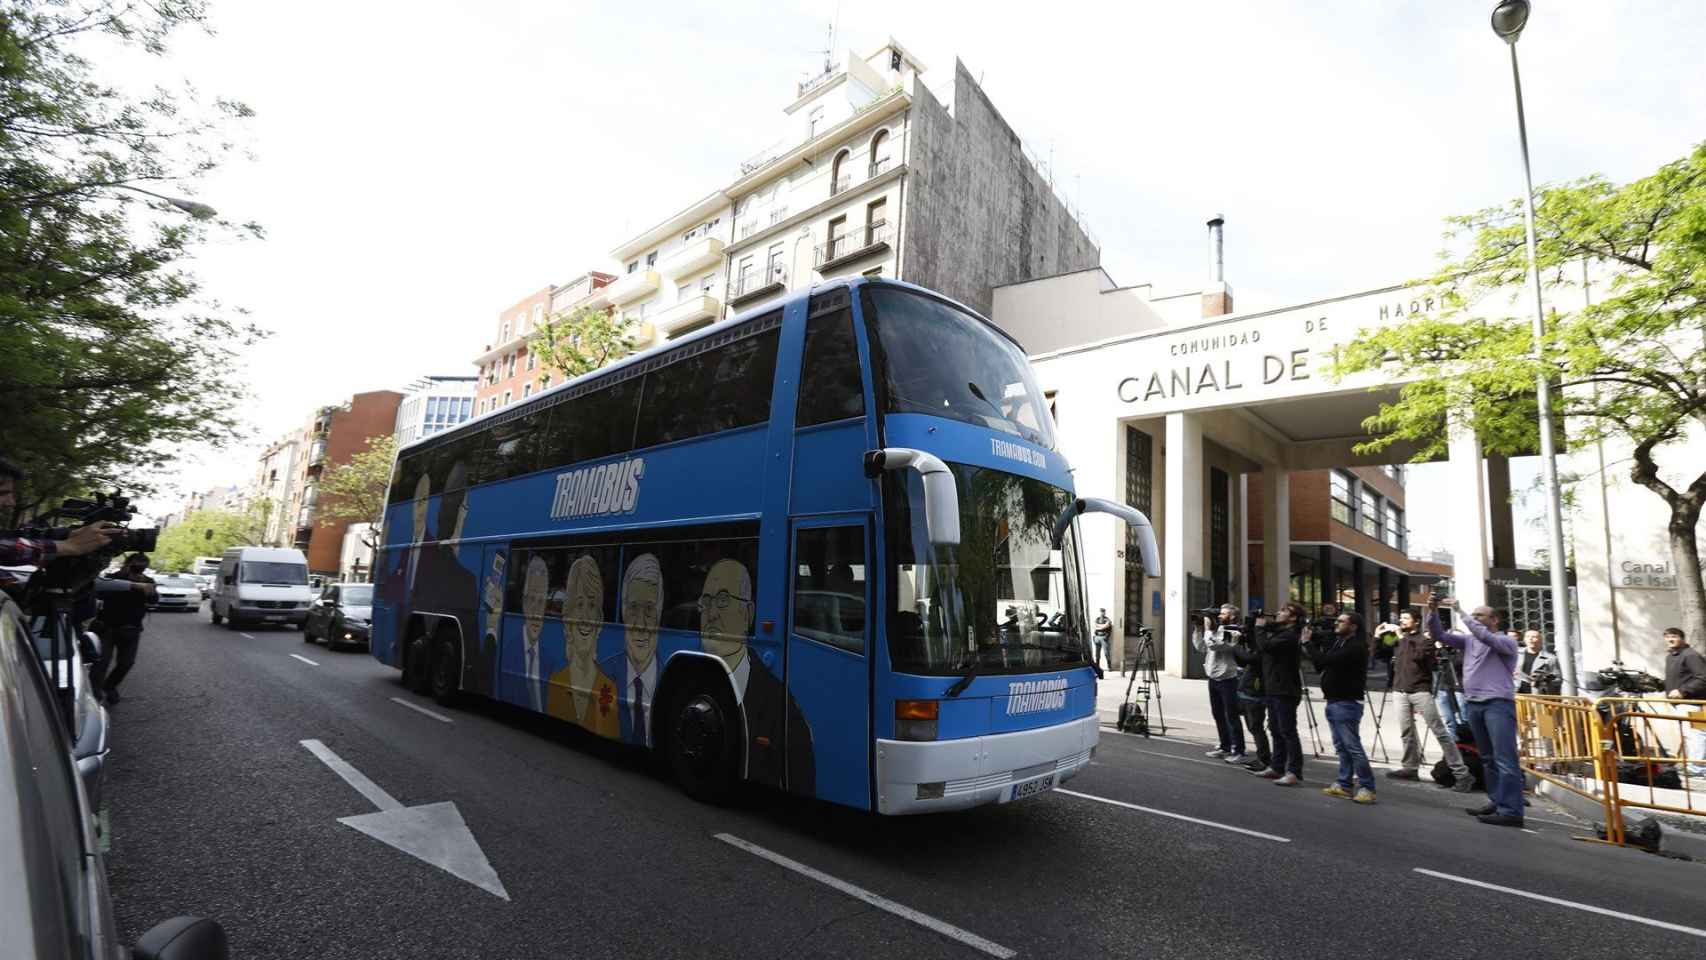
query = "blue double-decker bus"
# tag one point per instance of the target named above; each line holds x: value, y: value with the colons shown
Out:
x: 827, y: 546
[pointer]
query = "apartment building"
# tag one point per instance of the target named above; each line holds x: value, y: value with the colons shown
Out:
x: 508, y: 370
x: 334, y: 435
x: 432, y: 404
x: 274, y: 482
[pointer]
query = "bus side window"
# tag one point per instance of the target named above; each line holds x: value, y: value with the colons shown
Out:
x: 830, y: 386
x: 829, y: 586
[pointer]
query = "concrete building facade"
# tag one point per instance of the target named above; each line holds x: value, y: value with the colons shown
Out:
x: 275, y: 483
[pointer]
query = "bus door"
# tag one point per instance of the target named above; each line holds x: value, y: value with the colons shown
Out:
x: 828, y: 661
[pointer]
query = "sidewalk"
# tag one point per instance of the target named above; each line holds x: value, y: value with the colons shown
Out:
x: 1185, y: 711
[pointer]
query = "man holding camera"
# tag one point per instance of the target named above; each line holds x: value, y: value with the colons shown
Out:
x: 124, y: 603
x: 1489, y: 669
x: 1217, y: 642
x: 1342, y: 660
x: 1533, y: 663
x: 26, y: 551
x: 1282, y: 684
x: 1413, y: 666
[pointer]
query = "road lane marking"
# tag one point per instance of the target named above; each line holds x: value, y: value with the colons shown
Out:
x: 431, y: 832
x: 1172, y: 756
x: 304, y: 659
x: 441, y: 718
x: 1585, y: 907
x: 355, y: 778
x: 1176, y: 816
x: 245, y: 636
x: 882, y: 903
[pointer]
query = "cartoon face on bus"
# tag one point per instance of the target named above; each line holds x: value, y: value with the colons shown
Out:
x: 583, y: 611
x: 725, y: 611
x: 534, y: 591
x: 642, y: 607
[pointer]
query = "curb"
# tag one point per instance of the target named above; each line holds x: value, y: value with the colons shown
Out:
x: 1671, y: 839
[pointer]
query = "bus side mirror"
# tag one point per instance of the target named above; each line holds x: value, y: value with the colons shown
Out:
x: 1145, y: 532
x: 941, y: 493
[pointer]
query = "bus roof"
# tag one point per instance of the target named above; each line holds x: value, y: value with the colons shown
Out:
x: 548, y: 397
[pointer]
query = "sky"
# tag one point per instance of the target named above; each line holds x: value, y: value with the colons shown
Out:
x: 419, y: 166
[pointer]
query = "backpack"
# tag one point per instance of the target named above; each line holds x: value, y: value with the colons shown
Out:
x: 1442, y: 774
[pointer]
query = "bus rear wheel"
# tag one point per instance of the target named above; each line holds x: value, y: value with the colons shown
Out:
x: 446, y: 667
x: 704, y: 743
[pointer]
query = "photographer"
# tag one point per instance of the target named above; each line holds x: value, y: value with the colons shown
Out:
x: 1216, y: 642
x: 1282, y: 684
x: 1342, y: 660
x: 1251, y: 704
x: 1534, y: 662
x: 1489, y: 667
x: 26, y: 551
x: 1414, y: 668
x: 124, y: 603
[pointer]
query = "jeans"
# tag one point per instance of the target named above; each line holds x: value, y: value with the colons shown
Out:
x: 1344, y: 719
x: 1494, y: 723
x: 1288, y: 746
x: 1223, y: 703
x: 120, y: 646
x: 1413, y: 705
x: 1256, y: 720
x: 1102, y: 651
x: 1453, y: 709
x: 1694, y: 748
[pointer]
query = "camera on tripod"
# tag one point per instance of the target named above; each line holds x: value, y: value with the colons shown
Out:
x: 62, y: 574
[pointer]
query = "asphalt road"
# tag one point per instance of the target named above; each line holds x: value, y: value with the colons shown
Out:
x: 215, y: 808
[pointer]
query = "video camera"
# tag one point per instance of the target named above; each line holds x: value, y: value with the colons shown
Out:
x: 72, y: 573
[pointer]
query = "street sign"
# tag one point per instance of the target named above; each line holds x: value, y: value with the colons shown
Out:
x: 433, y: 832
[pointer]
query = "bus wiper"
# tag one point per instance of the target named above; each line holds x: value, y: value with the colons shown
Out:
x: 964, y: 681
x: 977, y: 392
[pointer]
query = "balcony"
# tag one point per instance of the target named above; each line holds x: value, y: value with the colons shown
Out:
x: 840, y: 184
x: 633, y: 286
x: 878, y: 166
x: 317, y: 453
x: 807, y: 86
x: 852, y: 247
x: 695, y: 256
x: 755, y: 285
x: 690, y: 312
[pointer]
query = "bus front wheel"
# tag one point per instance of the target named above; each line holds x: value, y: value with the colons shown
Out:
x: 704, y: 743
x: 417, y: 662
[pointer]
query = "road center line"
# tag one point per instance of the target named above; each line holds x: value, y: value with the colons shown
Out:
x: 1588, y: 908
x: 1176, y: 816
x: 882, y: 903
x: 304, y: 659
x: 245, y: 636
x: 441, y: 718
x: 355, y: 778
x: 1174, y: 756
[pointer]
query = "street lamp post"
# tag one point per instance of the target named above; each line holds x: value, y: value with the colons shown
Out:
x: 1508, y: 20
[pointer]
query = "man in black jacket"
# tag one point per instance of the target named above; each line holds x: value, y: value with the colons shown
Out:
x: 1685, y: 679
x: 1343, y: 662
x: 120, y: 623
x: 1282, y: 685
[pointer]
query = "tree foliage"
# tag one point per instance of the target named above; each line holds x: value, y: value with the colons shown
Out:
x: 581, y: 341
x: 110, y: 356
x: 1630, y: 366
x: 354, y: 492
x: 209, y: 533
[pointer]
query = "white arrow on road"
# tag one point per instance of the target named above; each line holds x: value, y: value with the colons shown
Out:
x: 434, y: 832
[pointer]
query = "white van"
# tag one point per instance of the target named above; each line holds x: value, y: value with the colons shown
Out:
x: 261, y: 585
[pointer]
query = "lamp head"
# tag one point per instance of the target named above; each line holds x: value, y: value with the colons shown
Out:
x: 1509, y: 17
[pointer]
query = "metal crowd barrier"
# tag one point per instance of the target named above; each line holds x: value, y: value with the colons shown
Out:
x: 1619, y: 752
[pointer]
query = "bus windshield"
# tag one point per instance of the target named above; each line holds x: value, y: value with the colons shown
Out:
x: 1001, y: 599
x: 933, y: 358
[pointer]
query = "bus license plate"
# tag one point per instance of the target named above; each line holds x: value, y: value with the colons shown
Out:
x: 1030, y: 788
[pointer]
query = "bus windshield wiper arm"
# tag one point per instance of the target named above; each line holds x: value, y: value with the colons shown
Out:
x: 964, y: 681
x: 977, y: 392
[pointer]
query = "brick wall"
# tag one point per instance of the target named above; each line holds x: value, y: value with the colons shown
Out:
x: 369, y: 415
x: 496, y: 377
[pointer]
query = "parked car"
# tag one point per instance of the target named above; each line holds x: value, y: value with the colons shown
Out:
x: 55, y: 902
x: 341, y: 615
x: 205, y: 581
x: 261, y: 585
x: 68, y: 665
x: 176, y: 591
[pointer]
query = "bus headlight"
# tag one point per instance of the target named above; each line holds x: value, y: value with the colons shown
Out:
x: 916, y: 719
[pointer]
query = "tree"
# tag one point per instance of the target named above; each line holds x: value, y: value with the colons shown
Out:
x: 354, y: 492
x: 581, y: 341
x: 209, y: 533
x: 1629, y: 367
x: 112, y: 355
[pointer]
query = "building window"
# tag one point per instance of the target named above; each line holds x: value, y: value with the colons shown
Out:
x: 1339, y: 488
x: 879, y: 152
x: 526, y: 390
x: 745, y: 279
x: 837, y: 238
x: 840, y: 178
x: 1394, y: 527
x: 1368, y: 518
x: 651, y: 259
x: 506, y: 399
x: 774, y: 265
x: 814, y: 122
x: 538, y: 314
x: 504, y: 335
x: 632, y: 267
x: 532, y: 360
x: 876, y: 221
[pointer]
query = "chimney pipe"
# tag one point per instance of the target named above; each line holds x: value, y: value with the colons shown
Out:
x: 1216, y: 249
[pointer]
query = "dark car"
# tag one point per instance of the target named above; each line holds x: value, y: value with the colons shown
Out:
x: 55, y: 902
x: 342, y: 615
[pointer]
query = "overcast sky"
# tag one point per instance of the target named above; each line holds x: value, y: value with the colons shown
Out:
x: 420, y: 165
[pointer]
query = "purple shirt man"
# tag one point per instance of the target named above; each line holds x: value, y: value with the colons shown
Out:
x: 1489, y: 657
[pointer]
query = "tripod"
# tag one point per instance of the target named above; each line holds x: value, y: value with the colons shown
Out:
x: 1309, y: 715
x: 50, y: 618
x: 1145, y: 682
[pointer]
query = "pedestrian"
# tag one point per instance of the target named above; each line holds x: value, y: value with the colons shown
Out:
x: 1414, y: 669
x: 1685, y: 679
x: 1102, y: 649
x: 1216, y: 642
x: 1533, y: 659
x: 1448, y: 689
x: 1282, y: 685
x: 124, y: 605
x: 1489, y: 671
x: 1251, y: 704
x: 1342, y: 660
